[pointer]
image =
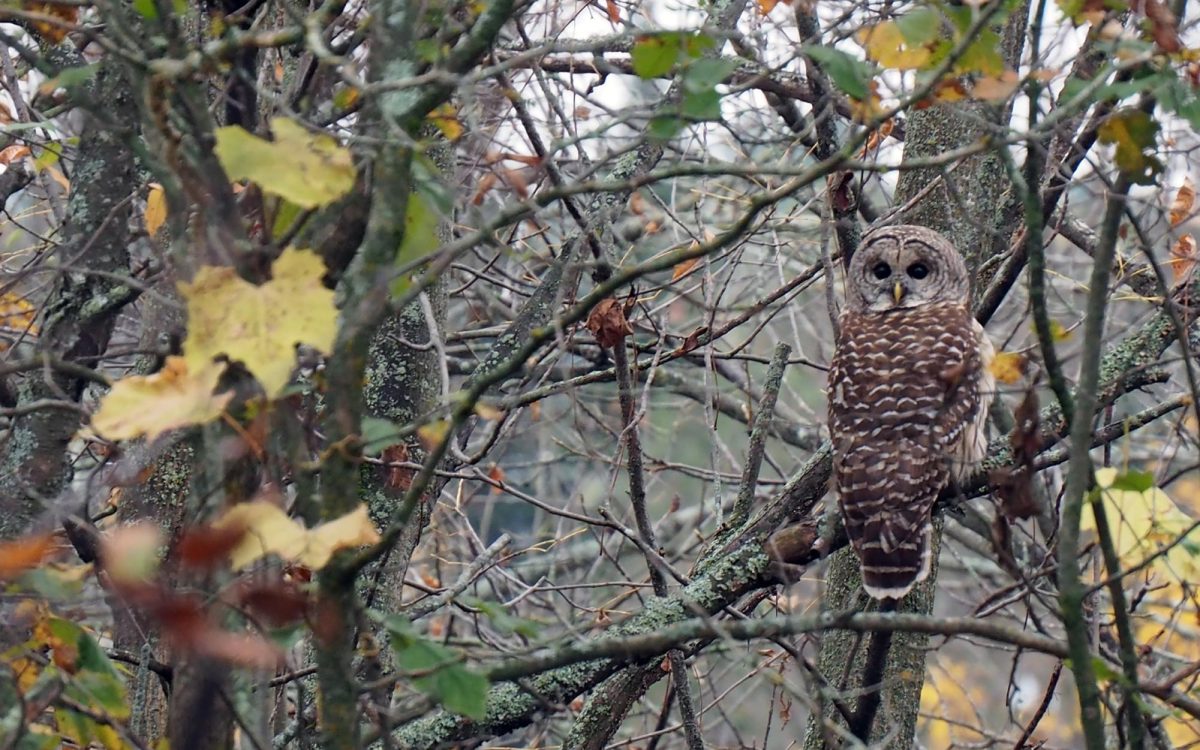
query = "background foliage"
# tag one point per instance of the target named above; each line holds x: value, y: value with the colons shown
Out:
x: 424, y: 374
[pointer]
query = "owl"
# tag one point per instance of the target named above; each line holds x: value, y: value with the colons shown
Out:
x: 909, y: 390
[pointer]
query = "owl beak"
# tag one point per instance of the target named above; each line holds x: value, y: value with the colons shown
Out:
x: 898, y: 292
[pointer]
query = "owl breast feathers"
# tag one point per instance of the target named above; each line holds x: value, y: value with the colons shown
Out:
x: 909, y: 389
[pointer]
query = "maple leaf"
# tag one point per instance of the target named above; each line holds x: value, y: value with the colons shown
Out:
x: 885, y: 44
x: 306, y: 168
x: 608, y: 323
x: 149, y: 405
x: 269, y: 530
x: 260, y: 326
x: 1007, y: 367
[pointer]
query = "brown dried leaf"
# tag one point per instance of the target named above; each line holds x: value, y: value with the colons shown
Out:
x: 692, y: 341
x: 398, y: 477
x: 67, y: 14
x: 1183, y: 257
x: 1013, y: 487
x: 9, y: 154
x: 486, y: 183
x: 614, y: 13
x: 1164, y: 27
x: 608, y: 324
x: 996, y: 88
x: 207, y: 547
x: 1181, y: 207
x: 23, y: 553
x: 684, y: 268
x: 277, y: 603
x: 496, y: 474
x: 878, y: 135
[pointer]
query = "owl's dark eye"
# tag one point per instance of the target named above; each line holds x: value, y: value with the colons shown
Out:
x: 918, y: 271
x: 881, y: 270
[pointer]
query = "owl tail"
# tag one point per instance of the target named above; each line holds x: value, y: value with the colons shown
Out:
x: 891, y: 568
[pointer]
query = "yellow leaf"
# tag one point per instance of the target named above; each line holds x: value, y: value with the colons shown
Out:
x: 1007, y: 367
x: 995, y: 88
x: 152, y: 404
x: 1058, y: 331
x: 432, y: 434
x: 16, y: 318
x: 269, y: 530
x: 490, y: 413
x: 885, y: 44
x: 355, y: 529
x: 156, y: 209
x: 1181, y: 207
x: 445, y: 118
x: 1141, y: 524
x: 260, y: 326
x: 308, y: 169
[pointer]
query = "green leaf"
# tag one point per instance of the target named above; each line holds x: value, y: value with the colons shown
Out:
x: 51, y: 584
x: 1104, y: 671
x: 308, y: 169
x: 982, y: 56
x: 420, y: 236
x: 1134, y: 481
x: 97, y: 682
x: 378, y: 434
x: 442, y: 676
x: 664, y: 127
x: 847, y: 72
x: 71, y: 77
x: 286, y: 214
x: 697, y: 44
x: 146, y: 9
x: 1132, y: 131
x: 463, y: 691
x: 921, y: 26
x: 702, y: 105
x: 500, y: 619
x: 704, y: 74
x: 655, y: 56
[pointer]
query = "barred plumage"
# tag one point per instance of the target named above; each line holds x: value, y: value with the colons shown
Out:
x: 909, y: 388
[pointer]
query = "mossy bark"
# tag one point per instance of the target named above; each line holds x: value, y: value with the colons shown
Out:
x: 78, y: 315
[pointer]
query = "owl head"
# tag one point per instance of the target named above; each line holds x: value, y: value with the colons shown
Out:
x: 902, y: 267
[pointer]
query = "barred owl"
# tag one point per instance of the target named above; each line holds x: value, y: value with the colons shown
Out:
x: 909, y: 390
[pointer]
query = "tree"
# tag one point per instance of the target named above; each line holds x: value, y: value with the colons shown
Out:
x: 425, y: 374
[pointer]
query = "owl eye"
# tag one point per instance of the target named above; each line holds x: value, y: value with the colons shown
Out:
x: 881, y: 270
x: 918, y: 271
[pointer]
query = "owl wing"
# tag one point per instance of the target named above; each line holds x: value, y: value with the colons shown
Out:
x: 901, y: 400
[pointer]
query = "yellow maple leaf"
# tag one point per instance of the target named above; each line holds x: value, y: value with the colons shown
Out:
x: 1007, y: 367
x: 269, y: 530
x: 1142, y: 522
x: 149, y: 405
x: 260, y: 326
x: 886, y: 45
x: 309, y: 169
